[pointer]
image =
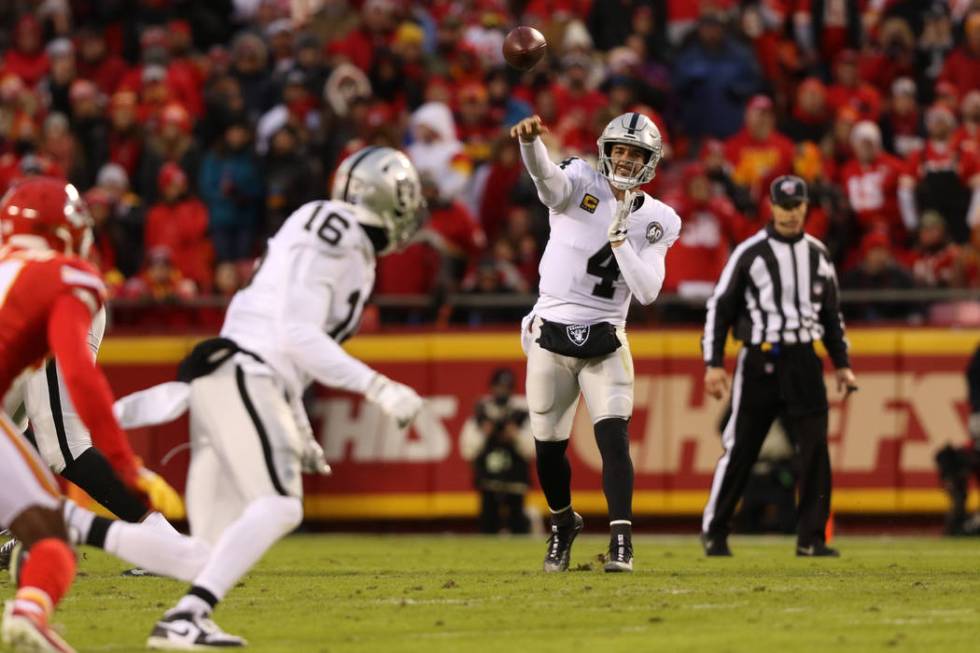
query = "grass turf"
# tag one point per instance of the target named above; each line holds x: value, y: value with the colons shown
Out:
x: 338, y: 593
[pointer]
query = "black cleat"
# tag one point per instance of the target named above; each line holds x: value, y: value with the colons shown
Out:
x: 819, y: 550
x: 184, y: 631
x: 715, y: 546
x: 620, y: 556
x: 560, y: 544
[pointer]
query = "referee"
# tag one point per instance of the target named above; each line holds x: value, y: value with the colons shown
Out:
x: 778, y: 292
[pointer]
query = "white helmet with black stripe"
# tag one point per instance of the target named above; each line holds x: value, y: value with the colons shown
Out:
x: 383, y: 182
x: 630, y: 129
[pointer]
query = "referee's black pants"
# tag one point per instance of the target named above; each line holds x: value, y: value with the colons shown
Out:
x: 785, y: 381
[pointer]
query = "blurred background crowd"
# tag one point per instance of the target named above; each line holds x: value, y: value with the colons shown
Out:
x: 194, y: 128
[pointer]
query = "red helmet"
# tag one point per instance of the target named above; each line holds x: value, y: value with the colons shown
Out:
x: 45, y: 211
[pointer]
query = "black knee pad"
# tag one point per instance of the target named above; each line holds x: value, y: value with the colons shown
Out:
x: 612, y: 437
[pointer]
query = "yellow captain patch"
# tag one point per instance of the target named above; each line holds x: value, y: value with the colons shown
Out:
x: 589, y: 203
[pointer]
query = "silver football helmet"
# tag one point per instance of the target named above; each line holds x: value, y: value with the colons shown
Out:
x: 383, y: 182
x: 630, y: 129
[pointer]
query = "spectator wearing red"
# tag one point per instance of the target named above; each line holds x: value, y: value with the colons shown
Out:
x: 574, y: 93
x: 758, y: 153
x: 160, y: 285
x: 182, y: 65
x: 811, y: 117
x: 125, y: 133
x: 27, y: 58
x: 711, y: 223
x: 935, y: 260
x: 503, y: 175
x: 105, y: 240
x: 870, y: 181
x: 967, y: 137
x: 97, y: 64
x: 850, y: 90
x: 171, y: 140
x: 517, y: 233
x: 962, y: 67
x: 452, y: 231
x: 377, y: 25
x: 475, y: 125
x: 894, y: 57
x: 182, y: 81
x: 902, y: 125
x: 824, y: 27
x: 942, y: 173
x: 179, y: 222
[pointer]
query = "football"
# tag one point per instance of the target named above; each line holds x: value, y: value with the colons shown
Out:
x: 524, y: 47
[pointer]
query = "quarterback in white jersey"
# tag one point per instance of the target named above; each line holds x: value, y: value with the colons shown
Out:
x: 608, y: 243
x: 250, y: 436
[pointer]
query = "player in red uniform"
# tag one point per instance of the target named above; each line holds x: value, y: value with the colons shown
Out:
x: 48, y: 295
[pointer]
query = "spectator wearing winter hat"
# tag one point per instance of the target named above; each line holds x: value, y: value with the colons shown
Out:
x: 935, y: 260
x: 27, y: 58
x: 870, y: 180
x: 96, y: 63
x: 309, y: 60
x: 811, y: 117
x: 437, y: 152
x: 505, y: 109
x: 714, y: 75
x: 849, y: 90
x: 902, y: 126
x: 298, y: 109
x: 292, y: 178
x: 90, y: 128
x: 125, y: 132
x: 59, y: 144
x: 249, y: 66
x: 377, y: 26
x: 61, y: 54
x: 894, y: 55
x: 962, y: 66
x: 475, y: 125
x: 159, y: 286
x: 232, y: 188
x: 126, y: 217
x: 179, y: 222
x: 171, y: 139
x: 942, y: 174
x: 106, y: 237
x: 758, y: 153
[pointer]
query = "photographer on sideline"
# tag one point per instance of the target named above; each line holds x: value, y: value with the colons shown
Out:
x: 958, y: 464
x: 497, y: 441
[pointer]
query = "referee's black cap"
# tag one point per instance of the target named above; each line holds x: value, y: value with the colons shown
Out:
x: 788, y: 191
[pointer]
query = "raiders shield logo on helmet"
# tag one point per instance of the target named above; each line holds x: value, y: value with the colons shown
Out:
x: 655, y: 231
x: 578, y: 333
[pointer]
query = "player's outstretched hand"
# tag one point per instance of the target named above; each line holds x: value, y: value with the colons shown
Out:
x: 396, y: 399
x: 528, y: 129
x: 313, y: 461
x: 163, y: 498
x: 618, y: 226
x: 716, y: 382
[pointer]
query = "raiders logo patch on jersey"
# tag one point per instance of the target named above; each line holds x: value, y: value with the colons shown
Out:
x: 578, y: 333
x: 589, y: 203
x: 655, y: 231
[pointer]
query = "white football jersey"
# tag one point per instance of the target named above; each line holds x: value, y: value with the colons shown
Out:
x: 580, y: 278
x: 306, y: 298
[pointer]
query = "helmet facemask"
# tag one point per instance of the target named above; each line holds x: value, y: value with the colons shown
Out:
x: 635, y: 130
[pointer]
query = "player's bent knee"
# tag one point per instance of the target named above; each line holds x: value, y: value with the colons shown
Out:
x: 37, y: 523
x: 620, y: 406
x: 540, y: 393
x: 285, y: 513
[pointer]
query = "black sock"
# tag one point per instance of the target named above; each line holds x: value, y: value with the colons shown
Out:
x: 555, y: 476
x: 617, y: 468
x: 93, y: 473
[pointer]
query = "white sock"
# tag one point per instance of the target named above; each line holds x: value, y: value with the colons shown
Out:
x: 78, y: 520
x: 246, y: 540
x: 158, y: 523
x: 179, y: 557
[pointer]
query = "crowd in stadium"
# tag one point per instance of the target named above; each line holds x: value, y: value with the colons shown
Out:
x: 194, y: 128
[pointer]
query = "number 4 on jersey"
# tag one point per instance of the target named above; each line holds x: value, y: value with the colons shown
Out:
x: 603, y: 264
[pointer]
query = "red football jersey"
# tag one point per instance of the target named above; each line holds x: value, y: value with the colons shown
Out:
x: 30, y: 282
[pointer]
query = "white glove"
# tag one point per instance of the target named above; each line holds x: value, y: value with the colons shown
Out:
x: 617, y: 229
x: 396, y: 399
x: 313, y: 460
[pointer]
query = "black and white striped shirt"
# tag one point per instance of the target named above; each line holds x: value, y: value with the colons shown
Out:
x: 779, y: 290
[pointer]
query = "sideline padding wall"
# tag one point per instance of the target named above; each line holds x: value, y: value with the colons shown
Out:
x: 912, y: 401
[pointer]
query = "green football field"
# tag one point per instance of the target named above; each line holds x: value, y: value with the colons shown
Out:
x: 318, y: 593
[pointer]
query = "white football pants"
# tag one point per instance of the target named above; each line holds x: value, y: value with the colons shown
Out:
x: 245, y: 445
x: 554, y: 383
